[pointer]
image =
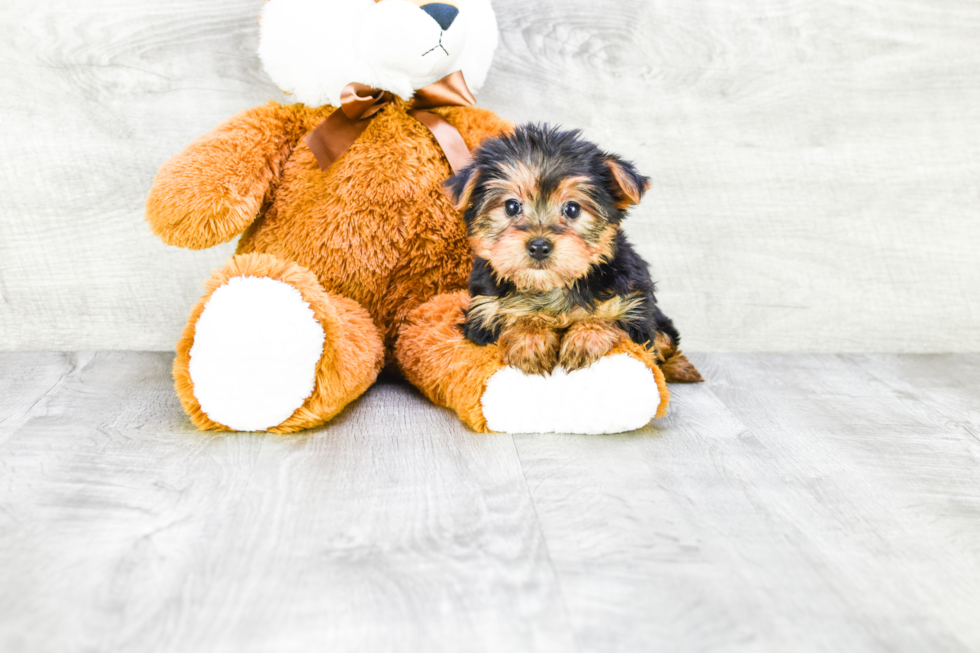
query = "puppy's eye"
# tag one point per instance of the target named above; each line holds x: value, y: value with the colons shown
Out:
x: 512, y: 207
x: 572, y: 211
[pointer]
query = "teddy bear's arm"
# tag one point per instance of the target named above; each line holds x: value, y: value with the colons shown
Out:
x: 217, y: 186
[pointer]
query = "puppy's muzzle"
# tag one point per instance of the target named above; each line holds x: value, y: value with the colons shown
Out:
x: 540, y: 248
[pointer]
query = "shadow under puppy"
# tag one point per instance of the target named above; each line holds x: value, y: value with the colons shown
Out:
x: 555, y: 282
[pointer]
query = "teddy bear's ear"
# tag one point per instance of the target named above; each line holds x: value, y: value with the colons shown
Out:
x: 459, y: 188
x: 627, y: 185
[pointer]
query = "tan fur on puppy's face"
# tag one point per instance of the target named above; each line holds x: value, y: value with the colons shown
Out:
x: 577, y: 244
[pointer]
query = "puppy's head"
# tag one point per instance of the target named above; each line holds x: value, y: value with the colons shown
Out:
x: 542, y: 206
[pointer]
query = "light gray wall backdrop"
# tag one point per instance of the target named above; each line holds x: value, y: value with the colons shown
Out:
x: 816, y: 163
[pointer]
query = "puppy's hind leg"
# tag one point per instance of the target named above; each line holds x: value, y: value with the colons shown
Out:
x: 675, y: 365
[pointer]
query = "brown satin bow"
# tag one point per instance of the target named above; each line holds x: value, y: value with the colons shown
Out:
x: 360, y: 103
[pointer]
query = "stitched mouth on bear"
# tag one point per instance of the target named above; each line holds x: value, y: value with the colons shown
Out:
x: 438, y: 47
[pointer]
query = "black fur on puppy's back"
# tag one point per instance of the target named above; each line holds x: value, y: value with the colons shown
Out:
x: 625, y: 274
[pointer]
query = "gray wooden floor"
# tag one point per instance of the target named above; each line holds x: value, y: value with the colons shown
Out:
x: 792, y: 503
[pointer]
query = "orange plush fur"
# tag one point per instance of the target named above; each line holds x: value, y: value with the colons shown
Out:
x: 373, y: 245
x: 365, y: 242
x: 376, y: 227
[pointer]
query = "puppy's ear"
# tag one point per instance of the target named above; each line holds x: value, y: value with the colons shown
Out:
x: 628, y: 185
x: 459, y: 188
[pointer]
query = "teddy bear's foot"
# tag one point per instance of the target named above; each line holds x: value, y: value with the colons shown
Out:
x: 616, y: 394
x: 268, y: 350
x: 255, y: 352
x: 621, y: 392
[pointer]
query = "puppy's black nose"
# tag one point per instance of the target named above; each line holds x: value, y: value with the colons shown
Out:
x: 441, y: 13
x: 539, y: 249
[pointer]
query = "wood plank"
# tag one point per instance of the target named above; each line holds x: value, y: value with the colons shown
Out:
x: 891, y: 488
x: 792, y: 503
x: 950, y: 385
x: 815, y: 165
x: 27, y: 381
x: 122, y: 528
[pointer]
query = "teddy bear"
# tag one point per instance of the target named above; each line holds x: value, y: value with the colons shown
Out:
x: 350, y: 256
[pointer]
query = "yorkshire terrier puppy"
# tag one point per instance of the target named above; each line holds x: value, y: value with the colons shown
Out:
x: 555, y: 282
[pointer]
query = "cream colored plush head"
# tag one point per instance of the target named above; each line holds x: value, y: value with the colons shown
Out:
x: 313, y: 48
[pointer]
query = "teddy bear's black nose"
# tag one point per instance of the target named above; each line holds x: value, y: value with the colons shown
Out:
x: 441, y: 13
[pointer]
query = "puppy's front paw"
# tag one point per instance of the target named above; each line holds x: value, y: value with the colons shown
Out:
x: 530, y: 349
x: 586, y: 342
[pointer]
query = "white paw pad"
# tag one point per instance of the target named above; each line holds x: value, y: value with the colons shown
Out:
x: 255, y: 354
x: 615, y: 395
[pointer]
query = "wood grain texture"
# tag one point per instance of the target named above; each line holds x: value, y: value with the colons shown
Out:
x: 123, y: 529
x: 875, y: 475
x: 792, y: 503
x: 27, y: 382
x: 948, y: 385
x: 816, y: 165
